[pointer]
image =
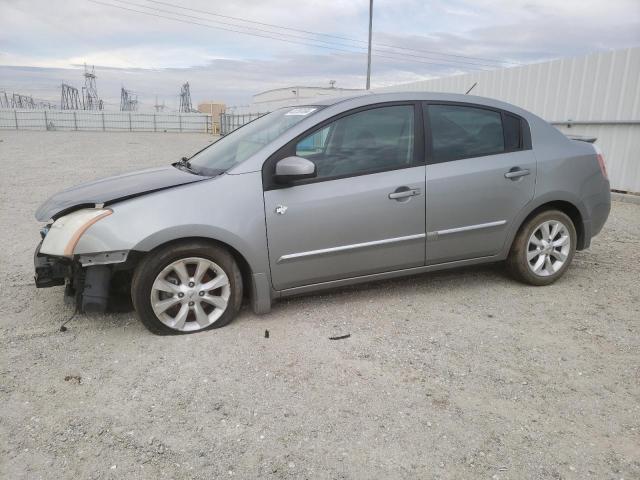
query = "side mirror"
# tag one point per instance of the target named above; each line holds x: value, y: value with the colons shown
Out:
x: 294, y: 168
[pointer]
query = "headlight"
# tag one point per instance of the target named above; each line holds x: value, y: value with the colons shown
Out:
x: 63, y: 236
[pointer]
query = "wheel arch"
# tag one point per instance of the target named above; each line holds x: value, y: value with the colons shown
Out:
x: 243, y: 264
x: 571, y: 211
x: 567, y: 207
x: 251, y: 251
x: 257, y: 286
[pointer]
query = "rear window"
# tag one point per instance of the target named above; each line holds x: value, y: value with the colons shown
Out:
x: 459, y: 131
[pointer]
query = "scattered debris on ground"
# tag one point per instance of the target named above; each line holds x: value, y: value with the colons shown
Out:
x: 340, y: 337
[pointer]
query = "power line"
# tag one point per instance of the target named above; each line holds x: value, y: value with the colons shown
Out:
x: 299, y: 37
x: 216, y: 27
x: 381, y: 55
x: 331, y: 35
x: 293, y: 36
x: 253, y: 21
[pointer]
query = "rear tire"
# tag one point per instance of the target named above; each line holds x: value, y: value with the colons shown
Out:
x: 186, y: 288
x: 543, y: 248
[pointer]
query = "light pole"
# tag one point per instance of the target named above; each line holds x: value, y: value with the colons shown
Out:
x: 369, y: 52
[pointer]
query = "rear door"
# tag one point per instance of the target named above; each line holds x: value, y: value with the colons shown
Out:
x: 365, y: 211
x: 481, y: 172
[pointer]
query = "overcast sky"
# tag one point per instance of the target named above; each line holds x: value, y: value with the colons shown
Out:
x: 45, y: 42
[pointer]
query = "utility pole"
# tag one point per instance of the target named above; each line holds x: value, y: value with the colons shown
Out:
x: 369, y: 52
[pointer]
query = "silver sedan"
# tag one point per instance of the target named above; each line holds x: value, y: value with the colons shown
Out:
x: 330, y: 194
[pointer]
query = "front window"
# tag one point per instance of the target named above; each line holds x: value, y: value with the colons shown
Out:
x: 364, y: 142
x: 240, y: 144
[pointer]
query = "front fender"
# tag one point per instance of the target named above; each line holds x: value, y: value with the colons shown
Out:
x: 178, y: 232
x: 229, y: 209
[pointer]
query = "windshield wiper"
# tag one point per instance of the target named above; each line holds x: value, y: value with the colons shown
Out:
x: 184, y: 163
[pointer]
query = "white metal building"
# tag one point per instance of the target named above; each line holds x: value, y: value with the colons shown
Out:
x: 270, y: 100
x: 595, y: 95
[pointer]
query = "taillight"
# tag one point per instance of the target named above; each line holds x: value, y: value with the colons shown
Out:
x: 603, y: 167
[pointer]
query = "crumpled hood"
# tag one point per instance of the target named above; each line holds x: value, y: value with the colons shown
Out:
x: 112, y: 189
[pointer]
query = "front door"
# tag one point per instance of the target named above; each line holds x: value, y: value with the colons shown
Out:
x: 481, y: 174
x: 364, y: 213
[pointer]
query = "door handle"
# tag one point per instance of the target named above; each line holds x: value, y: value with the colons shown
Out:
x: 404, y: 192
x: 517, y: 172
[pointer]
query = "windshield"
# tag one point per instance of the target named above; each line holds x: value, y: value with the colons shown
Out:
x: 240, y: 144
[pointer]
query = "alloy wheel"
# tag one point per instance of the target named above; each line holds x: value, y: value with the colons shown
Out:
x: 548, y: 248
x: 190, y: 294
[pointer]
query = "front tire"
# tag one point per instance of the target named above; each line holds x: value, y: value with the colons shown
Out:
x: 186, y: 288
x: 543, y: 248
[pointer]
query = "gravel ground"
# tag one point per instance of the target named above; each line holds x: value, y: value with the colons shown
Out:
x: 459, y: 374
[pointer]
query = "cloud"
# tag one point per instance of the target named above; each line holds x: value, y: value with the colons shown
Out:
x: 43, y: 43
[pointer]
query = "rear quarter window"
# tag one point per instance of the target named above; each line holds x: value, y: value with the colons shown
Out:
x: 512, y: 132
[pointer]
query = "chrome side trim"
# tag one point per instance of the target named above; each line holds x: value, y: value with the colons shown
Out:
x: 435, y: 235
x: 345, y: 248
x: 383, y: 276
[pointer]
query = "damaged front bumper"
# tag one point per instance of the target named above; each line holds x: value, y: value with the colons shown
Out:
x: 87, y: 277
x: 51, y: 271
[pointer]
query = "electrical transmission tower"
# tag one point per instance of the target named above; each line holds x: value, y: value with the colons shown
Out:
x: 185, y: 99
x: 22, y: 101
x: 128, y: 101
x: 4, y: 100
x: 90, y: 99
x: 45, y: 105
x: 158, y: 107
x: 70, y: 98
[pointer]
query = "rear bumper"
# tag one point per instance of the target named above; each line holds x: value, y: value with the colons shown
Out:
x: 598, y: 206
x: 600, y: 212
x: 51, y: 271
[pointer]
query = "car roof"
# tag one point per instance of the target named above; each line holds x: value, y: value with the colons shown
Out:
x: 338, y: 105
x: 368, y: 98
x: 395, y: 96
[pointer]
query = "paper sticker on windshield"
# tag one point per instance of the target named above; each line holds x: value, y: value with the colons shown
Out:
x: 301, y: 111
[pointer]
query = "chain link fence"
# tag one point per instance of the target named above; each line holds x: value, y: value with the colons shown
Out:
x: 84, y: 120
x: 232, y: 121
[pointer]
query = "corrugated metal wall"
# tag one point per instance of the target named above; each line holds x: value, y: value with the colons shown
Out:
x: 599, y: 93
